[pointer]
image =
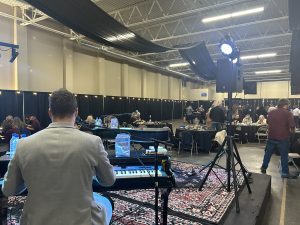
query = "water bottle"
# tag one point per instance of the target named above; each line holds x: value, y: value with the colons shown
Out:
x: 13, y: 144
x: 122, y: 145
x: 149, y: 118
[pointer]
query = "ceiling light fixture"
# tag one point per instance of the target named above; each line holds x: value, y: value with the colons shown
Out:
x: 266, y: 55
x: 268, y: 71
x: 178, y: 64
x: 232, y: 15
x: 120, y: 37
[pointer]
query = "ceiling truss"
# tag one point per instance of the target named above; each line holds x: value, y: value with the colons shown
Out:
x: 177, y: 22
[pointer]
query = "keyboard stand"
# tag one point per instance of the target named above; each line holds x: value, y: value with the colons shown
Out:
x: 165, y: 199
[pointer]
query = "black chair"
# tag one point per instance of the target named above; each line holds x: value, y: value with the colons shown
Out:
x: 262, y: 134
x: 186, y: 141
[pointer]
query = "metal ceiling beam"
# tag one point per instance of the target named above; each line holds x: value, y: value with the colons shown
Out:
x: 219, y: 54
x: 269, y: 79
x: 165, y: 15
x: 220, y: 29
x: 237, y: 41
x: 260, y: 63
x: 35, y: 24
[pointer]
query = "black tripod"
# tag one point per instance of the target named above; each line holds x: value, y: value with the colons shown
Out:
x: 229, y: 148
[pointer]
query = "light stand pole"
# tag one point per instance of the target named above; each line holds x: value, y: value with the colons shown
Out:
x: 230, y: 149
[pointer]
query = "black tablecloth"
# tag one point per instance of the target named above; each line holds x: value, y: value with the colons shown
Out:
x: 246, y: 132
x: 202, y: 137
x: 136, y: 134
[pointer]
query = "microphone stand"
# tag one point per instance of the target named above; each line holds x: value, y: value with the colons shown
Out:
x: 156, y: 144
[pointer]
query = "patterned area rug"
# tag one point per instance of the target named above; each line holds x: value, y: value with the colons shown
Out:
x: 187, y: 205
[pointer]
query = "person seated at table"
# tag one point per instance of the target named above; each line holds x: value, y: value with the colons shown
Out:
x: 8, y: 119
x: 21, y: 126
x: 247, y: 119
x: 136, y: 118
x: 33, y: 125
x: 90, y: 120
x: 261, y: 120
x: 8, y: 128
x: 236, y: 119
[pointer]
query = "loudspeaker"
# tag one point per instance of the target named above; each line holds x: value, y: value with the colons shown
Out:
x: 294, y: 15
x: 229, y: 76
x: 200, y: 61
x: 250, y: 88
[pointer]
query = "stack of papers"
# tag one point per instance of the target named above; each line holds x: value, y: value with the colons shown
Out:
x: 161, y: 150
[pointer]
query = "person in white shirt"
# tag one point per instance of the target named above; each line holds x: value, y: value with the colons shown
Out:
x: 261, y: 120
x: 247, y: 119
x: 296, y: 114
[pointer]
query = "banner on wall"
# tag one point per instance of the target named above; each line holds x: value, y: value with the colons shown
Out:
x: 203, y: 94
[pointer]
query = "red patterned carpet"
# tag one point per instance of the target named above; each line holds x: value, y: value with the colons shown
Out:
x: 187, y: 205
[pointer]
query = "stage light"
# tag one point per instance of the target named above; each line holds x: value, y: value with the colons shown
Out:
x: 178, y: 64
x: 229, y: 48
x: 226, y: 49
x: 232, y: 15
x: 268, y: 71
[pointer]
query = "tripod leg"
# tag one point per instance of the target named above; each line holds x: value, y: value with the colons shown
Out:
x: 228, y: 162
x: 238, y: 158
x: 237, y: 204
x: 220, y: 152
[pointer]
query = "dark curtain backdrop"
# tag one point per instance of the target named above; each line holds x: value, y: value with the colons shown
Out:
x: 37, y: 105
x: 83, y: 106
x: 177, y: 110
x: 115, y: 105
x: 143, y: 107
x: 155, y: 109
x: 96, y: 105
x: 11, y: 104
x: 167, y: 109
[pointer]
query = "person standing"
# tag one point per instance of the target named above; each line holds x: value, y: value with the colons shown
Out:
x: 217, y: 116
x: 57, y: 165
x: 189, y: 114
x: 281, y: 125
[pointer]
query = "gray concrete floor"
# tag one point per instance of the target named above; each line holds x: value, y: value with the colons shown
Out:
x: 252, y: 155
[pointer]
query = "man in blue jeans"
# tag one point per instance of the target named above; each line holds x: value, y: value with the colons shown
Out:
x: 281, y: 125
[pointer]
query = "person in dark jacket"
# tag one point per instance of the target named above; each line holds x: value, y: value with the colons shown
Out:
x: 217, y: 116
